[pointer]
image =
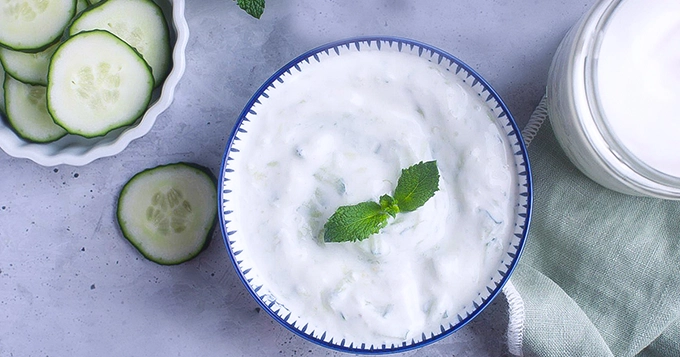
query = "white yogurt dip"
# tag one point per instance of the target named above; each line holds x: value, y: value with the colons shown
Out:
x: 338, y: 133
x: 638, y: 80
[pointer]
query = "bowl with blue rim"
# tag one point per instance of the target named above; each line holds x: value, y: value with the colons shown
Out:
x: 245, y: 250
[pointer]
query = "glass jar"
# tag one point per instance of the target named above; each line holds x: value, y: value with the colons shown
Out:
x: 584, y: 127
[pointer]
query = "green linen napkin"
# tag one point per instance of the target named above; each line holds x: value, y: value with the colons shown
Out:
x: 600, y: 274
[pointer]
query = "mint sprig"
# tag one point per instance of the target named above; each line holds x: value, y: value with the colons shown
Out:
x: 254, y: 8
x: 416, y: 185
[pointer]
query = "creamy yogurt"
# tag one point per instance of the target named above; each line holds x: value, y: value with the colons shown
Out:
x: 638, y: 80
x: 338, y: 132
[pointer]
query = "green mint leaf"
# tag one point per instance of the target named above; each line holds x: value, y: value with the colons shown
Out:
x: 254, y: 8
x: 416, y: 185
x: 389, y: 205
x: 353, y: 223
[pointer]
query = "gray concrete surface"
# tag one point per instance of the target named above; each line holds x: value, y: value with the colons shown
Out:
x: 70, y: 285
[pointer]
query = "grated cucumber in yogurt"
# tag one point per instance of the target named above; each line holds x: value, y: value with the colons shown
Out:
x: 339, y: 132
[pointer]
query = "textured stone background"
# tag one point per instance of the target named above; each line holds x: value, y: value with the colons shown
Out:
x: 70, y: 285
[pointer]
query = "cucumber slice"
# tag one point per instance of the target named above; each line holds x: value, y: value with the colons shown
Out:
x: 140, y: 23
x: 81, y: 5
x: 2, y: 90
x: 34, y: 25
x: 27, y: 67
x: 27, y: 112
x: 168, y: 212
x: 90, y: 95
x: 31, y: 67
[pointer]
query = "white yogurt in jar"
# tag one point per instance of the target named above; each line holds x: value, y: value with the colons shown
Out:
x: 638, y: 80
x: 338, y: 133
x: 612, y: 90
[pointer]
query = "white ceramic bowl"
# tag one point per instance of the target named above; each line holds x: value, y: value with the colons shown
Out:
x: 231, y: 214
x: 77, y: 151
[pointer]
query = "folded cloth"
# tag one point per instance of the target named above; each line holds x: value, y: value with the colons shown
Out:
x: 600, y: 273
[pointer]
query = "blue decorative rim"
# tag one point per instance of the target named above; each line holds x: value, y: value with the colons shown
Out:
x: 505, y: 120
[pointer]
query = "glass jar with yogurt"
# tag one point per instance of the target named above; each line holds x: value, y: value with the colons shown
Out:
x: 613, y: 91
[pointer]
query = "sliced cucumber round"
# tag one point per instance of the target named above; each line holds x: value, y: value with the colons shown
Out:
x: 81, y: 5
x: 27, y: 67
x: 2, y: 89
x: 27, y: 112
x: 168, y: 212
x: 90, y: 95
x: 140, y: 23
x: 34, y: 25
